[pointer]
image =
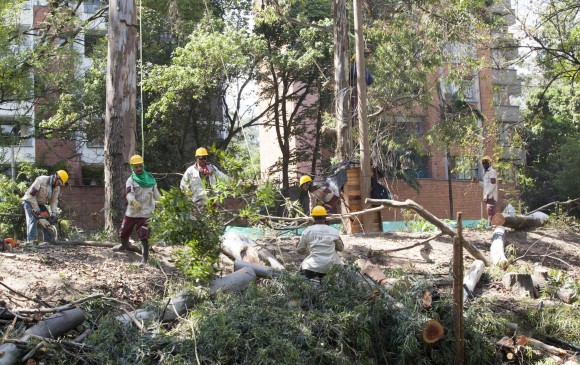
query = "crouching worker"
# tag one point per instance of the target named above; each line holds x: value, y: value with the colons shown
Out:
x: 321, y: 243
x: 142, y: 193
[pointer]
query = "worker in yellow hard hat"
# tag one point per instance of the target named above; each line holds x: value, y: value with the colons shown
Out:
x: 142, y: 195
x: 320, y: 193
x: 321, y: 243
x: 200, y: 176
x: 490, y: 187
x: 44, y: 190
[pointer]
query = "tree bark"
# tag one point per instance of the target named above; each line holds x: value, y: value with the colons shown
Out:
x: 472, y: 277
x: 120, y: 114
x: 260, y: 270
x: 497, y: 250
x: 234, y: 282
x: 54, y: 326
x: 341, y: 95
x: 361, y: 85
x: 518, y: 221
x: 445, y: 228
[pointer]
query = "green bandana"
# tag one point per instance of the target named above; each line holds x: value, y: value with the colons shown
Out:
x: 145, y: 180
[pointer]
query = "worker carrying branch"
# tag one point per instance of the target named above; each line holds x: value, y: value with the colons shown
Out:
x: 320, y: 193
x: 199, y: 177
x: 142, y: 195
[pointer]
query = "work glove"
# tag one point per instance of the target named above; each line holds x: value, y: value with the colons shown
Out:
x: 135, y: 204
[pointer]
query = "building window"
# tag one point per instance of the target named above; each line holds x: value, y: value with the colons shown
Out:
x: 463, y: 168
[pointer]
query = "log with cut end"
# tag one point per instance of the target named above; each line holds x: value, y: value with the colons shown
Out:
x: 267, y: 256
x: 53, y: 326
x: 497, y: 250
x: 238, y: 247
x: 260, y: 270
x: 519, y: 221
x: 472, y: 277
x: 234, y: 282
x: 552, y: 350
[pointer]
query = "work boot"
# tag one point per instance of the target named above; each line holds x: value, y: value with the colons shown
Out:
x: 124, y: 246
x: 145, y: 251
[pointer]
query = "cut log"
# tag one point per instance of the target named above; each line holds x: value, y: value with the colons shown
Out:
x: 528, y: 341
x: 268, y: 257
x: 234, y: 282
x: 472, y: 277
x: 260, y: 270
x: 238, y: 247
x: 176, y: 306
x: 497, y: 250
x: 540, y: 277
x: 53, y: 326
x: 566, y: 295
x: 519, y: 221
x: 520, y: 283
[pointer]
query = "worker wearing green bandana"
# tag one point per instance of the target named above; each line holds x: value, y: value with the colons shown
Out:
x: 142, y: 194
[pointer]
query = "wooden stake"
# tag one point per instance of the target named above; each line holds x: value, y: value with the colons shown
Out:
x: 458, y: 294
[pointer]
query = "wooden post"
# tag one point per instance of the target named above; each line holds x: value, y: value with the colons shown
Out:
x: 365, y: 155
x: 120, y: 113
x: 458, y: 294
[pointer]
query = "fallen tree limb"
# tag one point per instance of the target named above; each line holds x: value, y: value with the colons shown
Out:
x: 445, y: 228
x: 260, y: 270
x: 85, y: 243
x: 497, y: 249
x: 554, y: 203
x: 528, y: 341
x: 54, y: 326
x: 373, y: 252
x: 234, y: 282
x: 472, y: 277
x: 57, y: 309
x: 519, y: 221
x: 22, y: 295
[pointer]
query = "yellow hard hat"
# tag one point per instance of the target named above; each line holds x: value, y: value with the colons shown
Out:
x: 63, y: 176
x: 200, y: 152
x: 304, y: 179
x: 136, y: 160
x: 318, y: 211
x: 486, y: 158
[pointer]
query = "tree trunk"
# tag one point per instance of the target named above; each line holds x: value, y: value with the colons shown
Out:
x: 120, y: 111
x: 260, y: 270
x: 341, y: 109
x: 472, y: 277
x: 54, y: 326
x: 458, y: 323
x: 519, y: 221
x: 497, y: 250
x: 234, y: 282
x: 361, y: 85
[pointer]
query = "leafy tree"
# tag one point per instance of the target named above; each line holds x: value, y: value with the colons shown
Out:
x: 553, y: 135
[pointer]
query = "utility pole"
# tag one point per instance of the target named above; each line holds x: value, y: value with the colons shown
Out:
x: 365, y: 155
x: 341, y: 86
x: 120, y: 114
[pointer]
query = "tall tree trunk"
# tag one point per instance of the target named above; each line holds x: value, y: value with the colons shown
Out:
x: 449, y: 185
x: 121, y: 107
x: 341, y: 87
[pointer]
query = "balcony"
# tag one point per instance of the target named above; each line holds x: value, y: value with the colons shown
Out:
x: 508, y: 113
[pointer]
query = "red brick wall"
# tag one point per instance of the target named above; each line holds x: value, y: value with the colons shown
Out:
x: 83, y: 205
x: 434, y: 196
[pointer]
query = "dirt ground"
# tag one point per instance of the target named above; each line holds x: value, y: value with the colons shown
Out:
x: 58, y: 273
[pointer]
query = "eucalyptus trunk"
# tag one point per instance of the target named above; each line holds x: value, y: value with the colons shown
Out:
x: 341, y: 87
x: 120, y: 112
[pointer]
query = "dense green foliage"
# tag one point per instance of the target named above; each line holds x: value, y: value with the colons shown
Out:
x: 553, y: 139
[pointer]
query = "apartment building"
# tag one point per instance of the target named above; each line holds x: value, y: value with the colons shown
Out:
x: 82, y: 201
x: 492, y: 92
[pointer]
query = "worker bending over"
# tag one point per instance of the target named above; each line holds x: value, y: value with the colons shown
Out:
x: 320, y: 193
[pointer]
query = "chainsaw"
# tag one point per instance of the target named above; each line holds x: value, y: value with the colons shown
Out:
x: 46, y: 221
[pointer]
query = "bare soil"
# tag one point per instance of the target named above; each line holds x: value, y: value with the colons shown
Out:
x: 65, y: 273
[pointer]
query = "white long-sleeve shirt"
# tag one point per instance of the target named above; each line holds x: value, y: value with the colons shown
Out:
x: 321, y: 242
x: 42, y: 192
x: 147, y: 197
x: 490, y: 189
x: 192, y: 181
